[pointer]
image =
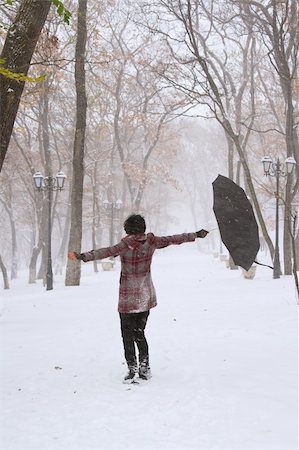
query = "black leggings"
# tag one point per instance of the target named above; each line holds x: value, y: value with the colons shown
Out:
x: 132, y: 330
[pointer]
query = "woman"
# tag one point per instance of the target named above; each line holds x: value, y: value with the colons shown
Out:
x: 136, y: 291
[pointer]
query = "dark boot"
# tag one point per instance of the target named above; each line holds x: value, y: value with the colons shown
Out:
x: 144, y: 370
x: 131, y: 375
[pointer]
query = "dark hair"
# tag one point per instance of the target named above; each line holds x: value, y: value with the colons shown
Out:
x: 134, y: 224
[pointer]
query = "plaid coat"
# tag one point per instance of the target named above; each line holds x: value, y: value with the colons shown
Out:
x: 136, y: 290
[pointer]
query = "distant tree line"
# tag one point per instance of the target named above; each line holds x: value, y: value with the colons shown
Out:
x: 122, y: 81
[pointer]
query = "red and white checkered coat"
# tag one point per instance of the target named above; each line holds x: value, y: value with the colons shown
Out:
x: 136, y: 290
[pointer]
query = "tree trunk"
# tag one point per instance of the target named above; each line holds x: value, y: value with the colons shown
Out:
x: 287, y: 240
x: 65, y: 235
x: 230, y: 161
x: 4, y: 274
x: 32, y: 265
x: 44, y: 148
x: 17, y: 52
x: 73, y: 271
x: 8, y: 206
x: 292, y: 231
x: 297, y: 248
x: 230, y: 156
x: 42, y: 271
x: 14, y: 262
x: 94, y: 212
x: 291, y: 144
x: 48, y: 274
x: 42, y: 221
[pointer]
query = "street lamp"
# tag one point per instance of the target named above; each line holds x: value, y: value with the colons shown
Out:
x: 49, y: 184
x: 277, y: 169
x: 111, y: 206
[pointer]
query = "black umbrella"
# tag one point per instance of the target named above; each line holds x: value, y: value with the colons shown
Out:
x: 236, y: 221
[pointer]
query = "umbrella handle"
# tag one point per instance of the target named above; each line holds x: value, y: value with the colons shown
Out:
x: 213, y: 229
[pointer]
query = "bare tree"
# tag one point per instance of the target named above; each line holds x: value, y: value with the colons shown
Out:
x: 140, y: 106
x: 276, y: 23
x: 73, y: 272
x: 191, y: 69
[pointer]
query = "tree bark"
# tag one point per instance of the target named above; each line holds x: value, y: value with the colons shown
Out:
x: 17, y: 52
x: 73, y: 270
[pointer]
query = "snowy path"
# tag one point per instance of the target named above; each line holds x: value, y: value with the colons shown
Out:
x: 223, y: 356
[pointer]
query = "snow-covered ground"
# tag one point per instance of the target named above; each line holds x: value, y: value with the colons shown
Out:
x: 223, y: 356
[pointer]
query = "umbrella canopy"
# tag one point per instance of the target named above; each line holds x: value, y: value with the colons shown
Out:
x: 236, y: 221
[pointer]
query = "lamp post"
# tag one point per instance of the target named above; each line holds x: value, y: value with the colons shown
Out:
x: 111, y: 206
x: 49, y: 184
x: 277, y: 169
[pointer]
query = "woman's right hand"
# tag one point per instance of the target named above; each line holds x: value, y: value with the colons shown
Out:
x: 73, y: 256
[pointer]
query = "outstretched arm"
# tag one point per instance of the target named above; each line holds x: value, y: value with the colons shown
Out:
x: 100, y: 253
x: 176, y: 239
